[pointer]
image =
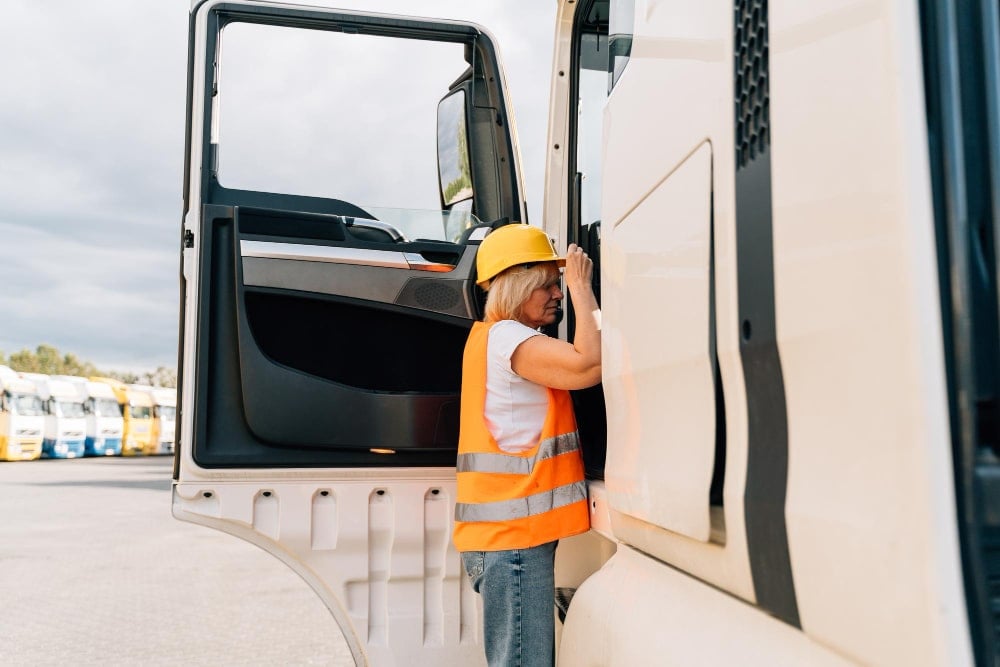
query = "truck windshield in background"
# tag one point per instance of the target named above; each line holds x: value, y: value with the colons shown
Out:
x: 106, y: 407
x: 26, y: 405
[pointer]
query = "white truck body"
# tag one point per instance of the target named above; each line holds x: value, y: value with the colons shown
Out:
x: 103, y: 416
x: 105, y: 424
x: 65, y: 421
x: 792, y: 456
x: 165, y: 413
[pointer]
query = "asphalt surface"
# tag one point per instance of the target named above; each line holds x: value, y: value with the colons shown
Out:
x: 95, y: 571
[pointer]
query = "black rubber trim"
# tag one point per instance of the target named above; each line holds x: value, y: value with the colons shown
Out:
x: 718, y: 483
x: 276, y: 203
x: 767, y: 427
x: 338, y: 21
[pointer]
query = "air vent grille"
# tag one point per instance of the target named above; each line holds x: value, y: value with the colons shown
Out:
x: 750, y: 48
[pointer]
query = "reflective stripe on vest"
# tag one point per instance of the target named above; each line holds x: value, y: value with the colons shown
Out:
x: 519, y: 508
x: 511, y: 464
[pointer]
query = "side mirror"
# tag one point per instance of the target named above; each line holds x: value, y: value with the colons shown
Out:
x: 454, y: 173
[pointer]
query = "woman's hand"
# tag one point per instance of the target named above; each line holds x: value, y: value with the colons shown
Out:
x: 579, y: 272
x: 555, y: 363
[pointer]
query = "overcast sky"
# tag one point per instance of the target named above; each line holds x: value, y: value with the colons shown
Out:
x: 91, y: 150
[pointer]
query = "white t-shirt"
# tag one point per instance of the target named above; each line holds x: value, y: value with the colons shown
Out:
x: 515, y: 408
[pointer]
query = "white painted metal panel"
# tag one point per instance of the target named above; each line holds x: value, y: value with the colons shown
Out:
x: 870, y: 508
x: 377, y: 551
x: 659, y: 377
x: 635, y: 611
x: 675, y: 94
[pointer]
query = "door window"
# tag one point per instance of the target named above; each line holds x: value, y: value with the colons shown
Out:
x: 591, y: 95
x: 621, y: 22
x: 590, y: 85
x: 337, y: 115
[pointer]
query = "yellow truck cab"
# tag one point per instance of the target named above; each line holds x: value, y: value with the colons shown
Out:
x: 22, y: 418
x: 137, y: 412
x: 164, y: 402
x: 794, y: 455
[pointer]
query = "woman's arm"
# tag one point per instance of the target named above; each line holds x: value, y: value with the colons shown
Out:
x: 555, y: 363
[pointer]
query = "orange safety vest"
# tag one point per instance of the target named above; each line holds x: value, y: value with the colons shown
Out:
x: 515, y: 501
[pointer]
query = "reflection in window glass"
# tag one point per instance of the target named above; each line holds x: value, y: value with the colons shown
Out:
x: 166, y: 412
x: 330, y: 114
x: 621, y: 23
x: 453, y: 150
x: 413, y: 224
x: 460, y: 218
x: 593, y: 93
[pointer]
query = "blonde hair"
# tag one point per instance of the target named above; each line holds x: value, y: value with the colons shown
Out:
x: 508, y: 291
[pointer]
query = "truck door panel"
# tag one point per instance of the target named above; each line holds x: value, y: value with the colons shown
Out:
x: 662, y: 330
x: 317, y: 323
x: 325, y: 316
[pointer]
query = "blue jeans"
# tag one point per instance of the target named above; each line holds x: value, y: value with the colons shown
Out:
x: 518, y: 591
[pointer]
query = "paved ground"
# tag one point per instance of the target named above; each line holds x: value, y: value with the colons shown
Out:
x: 95, y: 571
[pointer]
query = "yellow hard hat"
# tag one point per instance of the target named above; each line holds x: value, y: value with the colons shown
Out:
x: 511, y: 245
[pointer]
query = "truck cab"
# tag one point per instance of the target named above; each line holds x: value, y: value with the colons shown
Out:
x: 164, y: 402
x: 792, y: 456
x: 65, y: 422
x: 22, y: 418
x: 137, y: 414
x: 105, y: 423
x: 165, y: 413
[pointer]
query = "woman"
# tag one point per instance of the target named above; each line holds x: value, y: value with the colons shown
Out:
x: 520, y: 473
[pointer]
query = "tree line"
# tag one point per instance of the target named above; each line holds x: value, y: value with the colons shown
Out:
x: 49, y: 360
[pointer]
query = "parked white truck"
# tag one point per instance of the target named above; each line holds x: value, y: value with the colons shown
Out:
x: 22, y: 419
x: 794, y: 456
x: 65, y: 420
x: 103, y: 436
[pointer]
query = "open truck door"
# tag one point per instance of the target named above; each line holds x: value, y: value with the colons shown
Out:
x: 324, y: 313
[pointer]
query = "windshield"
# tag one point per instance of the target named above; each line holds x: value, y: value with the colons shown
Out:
x: 416, y: 224
x: 106, y: 407
x: 166, y: 412
x: 70, y: 409
x: 139, y: 411
x: 26, y: 405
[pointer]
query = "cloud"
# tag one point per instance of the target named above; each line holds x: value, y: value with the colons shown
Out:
x: 107, y: 306
x: 91, y: 152
x: 93, y: 127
